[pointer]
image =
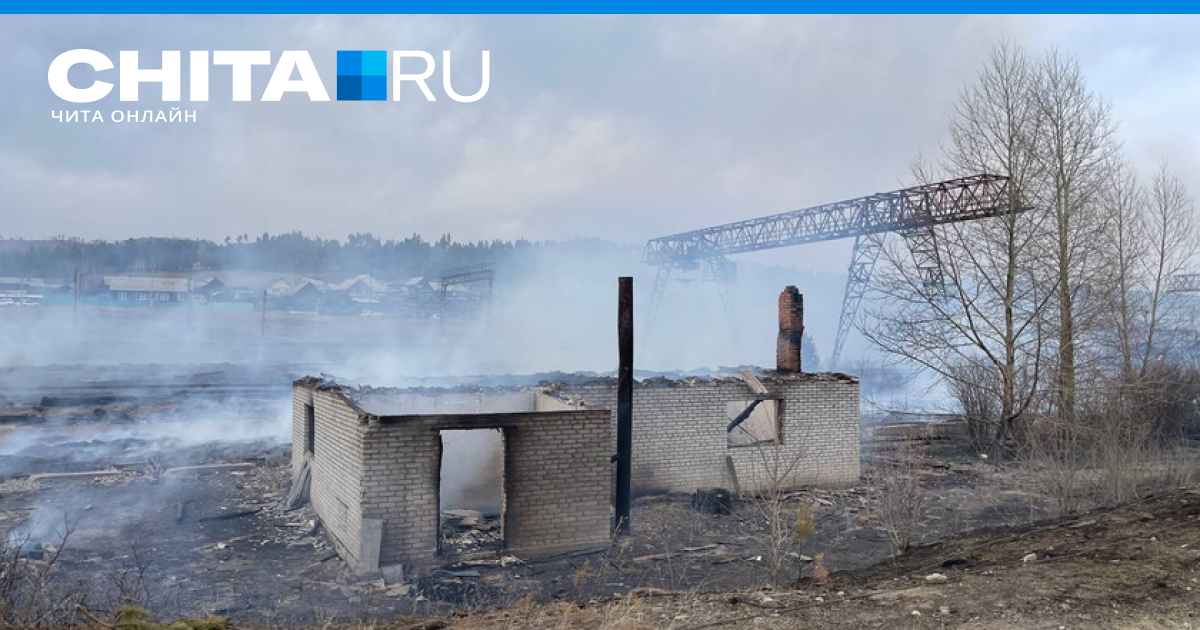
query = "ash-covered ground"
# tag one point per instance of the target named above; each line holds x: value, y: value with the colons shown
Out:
x: 168, y: 486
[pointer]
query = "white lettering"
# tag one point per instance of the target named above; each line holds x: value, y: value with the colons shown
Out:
x: 419, y: 78
x: 241, y: 60
x: 132, y: 75
x: 63, y: 88
x: 446, y: 79
x: 198, y: 75
x: 281, y: 79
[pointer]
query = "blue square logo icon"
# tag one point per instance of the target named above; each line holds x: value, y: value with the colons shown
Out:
x: 362, y: 75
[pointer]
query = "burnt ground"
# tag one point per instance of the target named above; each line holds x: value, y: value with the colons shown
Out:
x: 218, y: 541
x: 1135, y: 566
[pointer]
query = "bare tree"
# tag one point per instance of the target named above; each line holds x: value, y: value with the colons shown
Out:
x: 1151, y: 236
x: 980, y: 331
x: 1076, y: 148
x: 1124, y: 202
x: 1172, y: 240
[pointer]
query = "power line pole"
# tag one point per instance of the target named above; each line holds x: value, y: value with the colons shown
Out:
x: 262, y: 338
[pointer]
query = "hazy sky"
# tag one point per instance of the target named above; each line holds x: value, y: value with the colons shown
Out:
x: 618, y: 127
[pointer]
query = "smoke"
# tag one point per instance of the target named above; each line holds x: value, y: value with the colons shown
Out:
x: 554, y: 309
x: 472, y: 471
x: 179, y: 433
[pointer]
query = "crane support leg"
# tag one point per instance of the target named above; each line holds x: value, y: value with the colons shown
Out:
x: 661, y: 277
x: 858, y: 276
x: 922, y: 244
x: 720, y: 271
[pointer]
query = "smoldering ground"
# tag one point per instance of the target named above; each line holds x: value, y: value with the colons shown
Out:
x: 138, y: 392
x: 157, y: 368
x: 153, y: 433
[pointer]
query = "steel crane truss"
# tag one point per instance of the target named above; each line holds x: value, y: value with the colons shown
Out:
x: 950, y: 201
x: 1184, y: 283
x: 913, y: 212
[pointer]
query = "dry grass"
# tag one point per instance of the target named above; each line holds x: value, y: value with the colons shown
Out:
x: 1114, y: 568
x: 630, y: 612
x: 900, y: 504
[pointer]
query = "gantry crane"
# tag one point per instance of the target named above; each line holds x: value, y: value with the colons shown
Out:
x: 1184, y: 283
x: 473, y: 274
x: 913, y: 212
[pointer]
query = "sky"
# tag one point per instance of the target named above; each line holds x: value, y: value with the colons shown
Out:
x: 624, y: 128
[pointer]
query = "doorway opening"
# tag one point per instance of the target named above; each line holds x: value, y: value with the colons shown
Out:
x: 471, y: 491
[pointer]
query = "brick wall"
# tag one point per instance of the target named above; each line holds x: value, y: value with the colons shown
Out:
x: 557, y: 480
x: 402, y: 463
x: 680, y: 441
x: 819, y: 433
x: 558, y: 476
x: 336, y: 463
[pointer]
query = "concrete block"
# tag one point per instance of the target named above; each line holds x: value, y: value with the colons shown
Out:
x: 370, y: 544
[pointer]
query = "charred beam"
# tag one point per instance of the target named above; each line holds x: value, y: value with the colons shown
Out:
x: 624, y: 404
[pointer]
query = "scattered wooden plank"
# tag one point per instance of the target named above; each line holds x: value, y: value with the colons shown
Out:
x: 228, y: 516
x: 69, y: 476
x: 204, y: 468
x: 675, y: 554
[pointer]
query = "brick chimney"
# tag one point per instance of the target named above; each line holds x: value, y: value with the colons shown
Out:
x: 791, y: 331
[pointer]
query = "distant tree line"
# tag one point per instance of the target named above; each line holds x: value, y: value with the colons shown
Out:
x: 293, y: 252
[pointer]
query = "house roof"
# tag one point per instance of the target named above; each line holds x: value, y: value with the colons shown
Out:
x: 365, y: 280
x: 150, y: 283
x: 31, y: 282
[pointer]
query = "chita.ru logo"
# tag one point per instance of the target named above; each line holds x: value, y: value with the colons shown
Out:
x: 362, y: 75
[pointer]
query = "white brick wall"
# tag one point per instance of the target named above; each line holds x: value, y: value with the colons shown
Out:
x: 680, y: 444
x: 557, y: 480
x: 336, y: 465
x: 558, y: 476
x: 558, y: 472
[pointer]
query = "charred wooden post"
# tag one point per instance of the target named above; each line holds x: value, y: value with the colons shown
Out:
x: 624, y: 403
x: 791, y: 331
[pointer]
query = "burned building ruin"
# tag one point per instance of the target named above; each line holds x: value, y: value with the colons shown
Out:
x: 374, y: 456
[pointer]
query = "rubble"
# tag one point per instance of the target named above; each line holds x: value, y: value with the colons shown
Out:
x: 712, y: 501
x: 469, y: 531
